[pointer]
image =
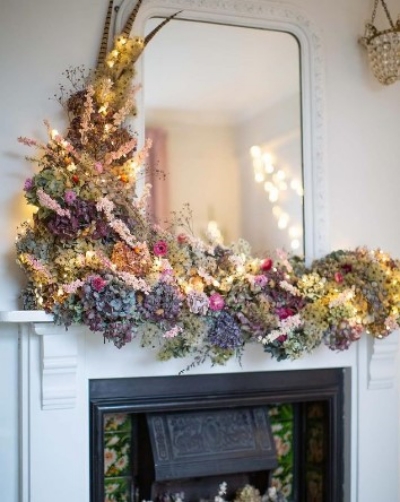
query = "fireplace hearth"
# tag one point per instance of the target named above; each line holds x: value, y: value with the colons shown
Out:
x: 209, y: 400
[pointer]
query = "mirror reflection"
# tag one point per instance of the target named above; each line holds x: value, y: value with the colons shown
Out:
x: 222, y: 106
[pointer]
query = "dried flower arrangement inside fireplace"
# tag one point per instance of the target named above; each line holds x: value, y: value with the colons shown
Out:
x: 93, y: 255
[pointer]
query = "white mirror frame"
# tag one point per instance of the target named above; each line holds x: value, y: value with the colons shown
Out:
x: 267, y: 15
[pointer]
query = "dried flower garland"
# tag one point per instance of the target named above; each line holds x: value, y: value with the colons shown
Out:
x: 93, y: 257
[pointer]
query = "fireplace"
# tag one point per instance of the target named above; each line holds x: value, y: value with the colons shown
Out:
x: 57, y: 412
x: 238, y: 398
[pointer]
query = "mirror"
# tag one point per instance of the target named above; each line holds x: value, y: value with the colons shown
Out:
x: 223, y: 108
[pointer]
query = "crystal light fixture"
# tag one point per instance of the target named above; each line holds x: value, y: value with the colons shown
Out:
x: 383, y: 47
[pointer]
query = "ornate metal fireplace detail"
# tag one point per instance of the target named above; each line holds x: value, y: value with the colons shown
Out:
x: 198, y: 449
x: 192, y: 432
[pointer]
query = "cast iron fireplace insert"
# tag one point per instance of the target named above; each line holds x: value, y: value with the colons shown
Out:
x: 144, y: 397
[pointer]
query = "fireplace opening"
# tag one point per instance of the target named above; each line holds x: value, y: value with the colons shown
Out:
x: 159, y: 436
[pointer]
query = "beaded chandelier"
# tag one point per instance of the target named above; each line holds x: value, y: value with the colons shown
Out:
x: 383, y: 47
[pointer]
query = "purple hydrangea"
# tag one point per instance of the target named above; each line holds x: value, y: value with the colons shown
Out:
x: 340, y: 336
x: 225, y: 332
x: 164, y: 303
x: 109, y: 306
x: 119, y: 332
x: 83, y: 214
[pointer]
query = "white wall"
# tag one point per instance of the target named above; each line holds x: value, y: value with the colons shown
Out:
x: 38, y: 40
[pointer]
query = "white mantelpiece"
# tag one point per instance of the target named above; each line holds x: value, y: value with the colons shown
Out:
x: 56, y: 366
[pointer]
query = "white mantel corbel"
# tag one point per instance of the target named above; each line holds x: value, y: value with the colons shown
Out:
x: 382, y: 361
x: 59, y: 363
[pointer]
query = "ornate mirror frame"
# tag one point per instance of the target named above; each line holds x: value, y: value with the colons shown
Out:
x: 278, y: 17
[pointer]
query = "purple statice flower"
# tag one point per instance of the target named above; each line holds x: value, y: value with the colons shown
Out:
x: 225, y: 333
x: 28, y: 185
x: 69, y: 196
x: 163, y: 303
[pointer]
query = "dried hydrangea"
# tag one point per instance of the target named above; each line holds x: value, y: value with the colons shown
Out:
x: 109, y: 305
x: 225, y: 332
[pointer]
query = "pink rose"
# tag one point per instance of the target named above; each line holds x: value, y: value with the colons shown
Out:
x: 216, y: 302
x: 338, y: 277
x: 284, y: 313
x: 97, y: 283
x: 160, y: 248
x: 182, y: 238
x: 266, y: 265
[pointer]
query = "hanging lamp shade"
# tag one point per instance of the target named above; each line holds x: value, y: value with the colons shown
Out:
x: 383, y: 47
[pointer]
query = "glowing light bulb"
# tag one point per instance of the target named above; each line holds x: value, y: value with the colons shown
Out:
x: 295, y: 231
x: 295, y: 244
x: 268, y: 186
x: 259, y: 177
x: 267, y: 158
x: 255, y: 151
x: 274, y: 195
x: 276, y: 211
x: 283, y: 221
x: 257, y: 164
x: 281, y: 175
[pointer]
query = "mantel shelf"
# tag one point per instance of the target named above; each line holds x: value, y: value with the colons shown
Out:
x: 25, y: 316
x: 60, y: 353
